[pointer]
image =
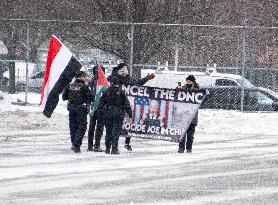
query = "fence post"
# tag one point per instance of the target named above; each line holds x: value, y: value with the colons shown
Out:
x: 27, y: 61
x: 166, y: 65
x: 243, y: 64
x: 131, y: 35
x: 158, y: 66
x: 12, y: 76
x: 176, y: 54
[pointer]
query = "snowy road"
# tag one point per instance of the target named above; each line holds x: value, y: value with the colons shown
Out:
x: 37, y: 167
x: 234, y: 161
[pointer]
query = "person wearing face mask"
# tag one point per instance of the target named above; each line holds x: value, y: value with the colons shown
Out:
x: 121, y: 72
x: 190, y: 86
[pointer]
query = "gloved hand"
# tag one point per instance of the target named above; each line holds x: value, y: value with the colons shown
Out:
x: 178, y: 88
x: 150, y: 76
x: 207, y: 92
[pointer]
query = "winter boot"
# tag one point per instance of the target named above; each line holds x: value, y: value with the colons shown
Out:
x: 90, y: 149
x: 107, y: 151
x: 75, y: 149
x: 98, y: 149
x: 128, y: 147
x: 115, y: 152
x: 181, y: 150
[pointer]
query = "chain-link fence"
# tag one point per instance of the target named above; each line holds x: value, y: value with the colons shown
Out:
x: 246, y: 51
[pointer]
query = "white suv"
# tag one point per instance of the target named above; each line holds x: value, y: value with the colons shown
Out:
x: 210, y: 78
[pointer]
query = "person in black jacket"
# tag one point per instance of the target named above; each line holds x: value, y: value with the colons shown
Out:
x: 114, y: 104
x: 121, y: 72
x: 79, y: 96
x: 192, y: 86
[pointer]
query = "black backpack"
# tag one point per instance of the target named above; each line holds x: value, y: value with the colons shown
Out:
x: 115, y: 103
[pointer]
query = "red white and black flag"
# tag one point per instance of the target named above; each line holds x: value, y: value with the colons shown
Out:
x: 61, y: 67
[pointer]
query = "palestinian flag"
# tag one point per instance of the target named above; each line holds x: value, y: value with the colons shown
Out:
x: 61, y: 67
x: 102, y: 84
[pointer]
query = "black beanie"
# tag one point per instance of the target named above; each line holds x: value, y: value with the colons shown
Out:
x: 191, y: 78
x: 114, y: 80
x: 121, y: 65
x: 79, y: 74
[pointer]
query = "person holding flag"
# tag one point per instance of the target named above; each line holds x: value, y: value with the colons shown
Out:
x: 79, y: 96
x: 61, y: 67
x: 96, y: 124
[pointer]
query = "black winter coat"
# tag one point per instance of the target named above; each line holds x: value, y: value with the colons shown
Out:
x: 114, y: 99
x: 78, y: 93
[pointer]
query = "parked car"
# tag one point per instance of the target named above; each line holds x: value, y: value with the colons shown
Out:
x: 229, y: 98
x: 34, y: 83
x: 210, y: 78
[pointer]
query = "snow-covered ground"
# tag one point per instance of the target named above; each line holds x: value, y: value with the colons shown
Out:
x: 234, y: 161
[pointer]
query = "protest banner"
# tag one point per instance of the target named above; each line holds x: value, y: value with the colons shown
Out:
x: 161, y: 113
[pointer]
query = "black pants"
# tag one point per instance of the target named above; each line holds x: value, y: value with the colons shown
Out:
x: 77, y: 124
x: 113, y: 127
x: 188, y: 136
x: 96, y: 127
x: 127, y: 139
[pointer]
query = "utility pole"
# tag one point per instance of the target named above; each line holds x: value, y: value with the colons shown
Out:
x: 131, y: 37
x: 177, y: 38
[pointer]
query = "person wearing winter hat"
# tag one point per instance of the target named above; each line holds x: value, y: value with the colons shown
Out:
x: 121, y: 72
x: 191, y: 78
x: 79, y: 96
x: 192, y: 86
x: 80, y: 73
